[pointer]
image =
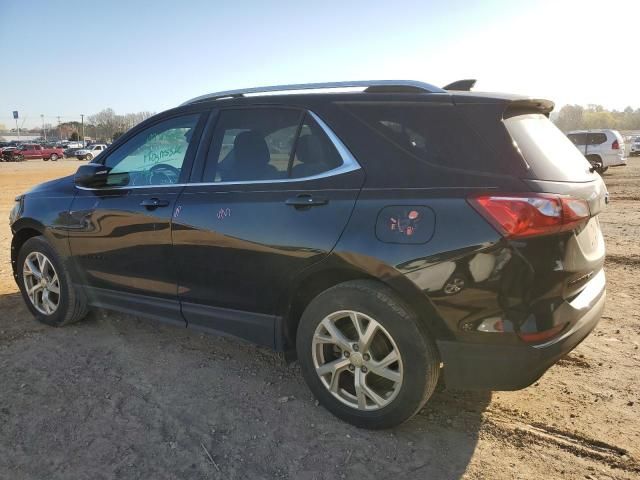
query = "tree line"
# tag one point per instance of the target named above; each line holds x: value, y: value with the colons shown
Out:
x: 577, y: 117
x: 103, y: 126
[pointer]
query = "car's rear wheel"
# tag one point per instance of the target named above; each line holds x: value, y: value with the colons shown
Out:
x: 46, y: 286
x: 53, y: 157
x: 366, y: 356
x: 19, y: 158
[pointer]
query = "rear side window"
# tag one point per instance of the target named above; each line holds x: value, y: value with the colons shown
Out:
x: 548, y: 152
x: 436, y: 134
x: 262, y: 144
x: 314, y: 154
x: 597, y: 138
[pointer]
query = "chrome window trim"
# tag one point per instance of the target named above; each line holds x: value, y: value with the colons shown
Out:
x: 349, y: 164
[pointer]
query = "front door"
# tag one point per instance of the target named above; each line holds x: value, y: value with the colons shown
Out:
x: 120, y: 234
x: 274, y: 197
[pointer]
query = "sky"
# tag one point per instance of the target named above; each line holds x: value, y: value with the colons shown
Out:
x: 65, y: 58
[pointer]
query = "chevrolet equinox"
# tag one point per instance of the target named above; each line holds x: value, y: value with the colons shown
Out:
x: 384, y: 233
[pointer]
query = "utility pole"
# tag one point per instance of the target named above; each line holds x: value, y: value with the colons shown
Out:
x: 82, y: 117
x: 59, y: 131
x: 44, y: 132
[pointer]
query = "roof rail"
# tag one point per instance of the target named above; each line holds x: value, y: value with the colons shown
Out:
x: 386, y: 86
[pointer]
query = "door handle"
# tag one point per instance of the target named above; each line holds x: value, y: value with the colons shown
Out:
x: 153, y: 203
x: 305, y: 201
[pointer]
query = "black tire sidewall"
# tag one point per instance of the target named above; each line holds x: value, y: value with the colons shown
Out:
x: 416, y: 349
x: 39, y: 244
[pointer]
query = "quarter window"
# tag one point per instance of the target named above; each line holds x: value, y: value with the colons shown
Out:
x: 154, y: 156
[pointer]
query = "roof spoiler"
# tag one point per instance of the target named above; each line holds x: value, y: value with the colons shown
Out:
x: 461, y: 85
x: 526, y: 105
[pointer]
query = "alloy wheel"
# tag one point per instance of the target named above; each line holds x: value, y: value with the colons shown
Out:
x: 41, y: 283
x: 357, y: 360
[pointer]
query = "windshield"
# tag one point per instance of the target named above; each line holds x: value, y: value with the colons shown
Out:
x: 548, y: 152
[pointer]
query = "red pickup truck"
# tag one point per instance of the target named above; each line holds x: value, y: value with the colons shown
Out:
x: 33, y: 150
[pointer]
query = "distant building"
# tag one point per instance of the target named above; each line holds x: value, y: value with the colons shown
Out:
x: 22, y: 138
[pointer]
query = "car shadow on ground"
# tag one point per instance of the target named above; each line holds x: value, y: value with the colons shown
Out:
x: 116, y: 396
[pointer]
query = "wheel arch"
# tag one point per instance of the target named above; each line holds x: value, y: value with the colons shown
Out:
x: 312, y: 283
x: 23, y: 230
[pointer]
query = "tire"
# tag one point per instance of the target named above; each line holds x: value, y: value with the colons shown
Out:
x: 71, y: 305
x: 53, y: 157
x: 88, y: 157
x: 19, y: 158
x: 596, y: 162
x: 406, y: 384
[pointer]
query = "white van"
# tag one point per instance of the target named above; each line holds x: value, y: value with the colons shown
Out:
x: 603, y: 148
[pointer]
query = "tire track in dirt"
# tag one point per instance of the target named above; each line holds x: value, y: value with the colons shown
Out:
x: 632, y: 198
x: 628, y: 260
x: 572, y: 361
x: 507, y: 428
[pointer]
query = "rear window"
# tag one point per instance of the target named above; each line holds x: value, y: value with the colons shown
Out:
x: 548, y: 152
x: 436, y: 134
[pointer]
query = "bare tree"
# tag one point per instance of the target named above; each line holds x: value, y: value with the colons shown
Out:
x: 106, y: 122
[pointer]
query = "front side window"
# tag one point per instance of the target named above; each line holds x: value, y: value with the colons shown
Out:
x: 154, y: 156
x: 578, y: 138
x: 262, y: 144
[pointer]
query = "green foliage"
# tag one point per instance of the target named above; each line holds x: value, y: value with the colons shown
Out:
x: 74, y: 137
x: 576, y: 117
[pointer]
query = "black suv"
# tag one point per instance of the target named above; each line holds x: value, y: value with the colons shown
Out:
x: 385, y: 233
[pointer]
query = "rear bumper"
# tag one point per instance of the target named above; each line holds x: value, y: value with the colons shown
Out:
x: 613, y: 160
x: 512, y: 367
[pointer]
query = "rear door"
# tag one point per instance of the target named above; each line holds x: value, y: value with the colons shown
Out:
x: 598, y: 144
x: 120, y: 235
x: 272, y: 197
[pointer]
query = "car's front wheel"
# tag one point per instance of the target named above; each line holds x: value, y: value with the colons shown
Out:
x: 88, y: 156
x: 366, y: 356
x: 46, y: 286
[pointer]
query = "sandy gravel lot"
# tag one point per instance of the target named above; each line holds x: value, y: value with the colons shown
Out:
x: 120, y: 397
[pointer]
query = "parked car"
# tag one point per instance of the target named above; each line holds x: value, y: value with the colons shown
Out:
x: 400, y: 233
x: 70, y: 152
x: 603, y: 148
x: 635, y: 146
x: 90, y: 152
x: 33, y: 150
x: 6, y: 153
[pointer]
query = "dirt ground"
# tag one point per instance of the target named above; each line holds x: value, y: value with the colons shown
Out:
x: 120, y: 397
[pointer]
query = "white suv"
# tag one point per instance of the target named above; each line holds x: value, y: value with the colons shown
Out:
x: 90, y: 152
x: 603, y: 148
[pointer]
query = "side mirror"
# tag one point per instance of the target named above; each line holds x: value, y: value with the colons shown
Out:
x: 91, y: 175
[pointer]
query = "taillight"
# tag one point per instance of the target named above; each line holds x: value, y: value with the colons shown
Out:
x: 615, y: 145
x: 520, y: 216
